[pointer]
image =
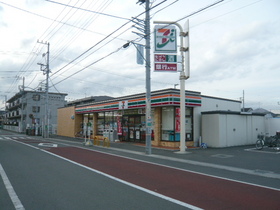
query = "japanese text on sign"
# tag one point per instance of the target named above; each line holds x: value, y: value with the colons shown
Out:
x: 166, y: 67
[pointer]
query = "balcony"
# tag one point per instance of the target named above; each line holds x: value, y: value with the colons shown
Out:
x: 14, y: 105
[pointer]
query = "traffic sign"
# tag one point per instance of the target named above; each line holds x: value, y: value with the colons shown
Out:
x: 166, y: 67
x: 165, y: 58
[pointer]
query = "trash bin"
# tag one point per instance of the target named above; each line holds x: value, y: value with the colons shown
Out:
x: 112, y: 135
x: 106, y: 134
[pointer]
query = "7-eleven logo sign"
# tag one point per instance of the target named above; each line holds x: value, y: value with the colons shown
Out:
x: 165, y: 39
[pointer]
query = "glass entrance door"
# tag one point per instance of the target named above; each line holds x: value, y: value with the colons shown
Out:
x: 131, y: 128
x: 134, y: 128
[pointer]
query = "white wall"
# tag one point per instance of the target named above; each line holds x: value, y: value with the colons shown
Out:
x: 12, y: 128
x: 211, y: 104
x: 225, y: 130
x: 215, y: 104
x: 272, y: 125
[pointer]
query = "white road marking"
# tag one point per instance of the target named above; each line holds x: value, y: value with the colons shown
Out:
x: 263, y: 151
x: 13, y: 137
x: 17, y: 203
x: 47, y: 145
x: 222, y: 156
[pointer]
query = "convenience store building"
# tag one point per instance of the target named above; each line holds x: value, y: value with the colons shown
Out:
x: 123, y: 118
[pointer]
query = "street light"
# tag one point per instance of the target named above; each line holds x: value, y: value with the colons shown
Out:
x: 185, y: 74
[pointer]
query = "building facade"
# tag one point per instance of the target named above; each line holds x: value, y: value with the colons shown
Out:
x: 123, y: 118
x: 27, y: 110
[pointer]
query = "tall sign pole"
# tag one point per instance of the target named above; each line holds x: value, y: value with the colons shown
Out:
x: 148, y: 81
x: 184, y: 75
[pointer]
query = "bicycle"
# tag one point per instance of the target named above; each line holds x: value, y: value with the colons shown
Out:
x: 270, y: 141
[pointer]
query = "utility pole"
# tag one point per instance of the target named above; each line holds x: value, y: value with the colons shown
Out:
x: 21, y: 117
x: 46, y: 71
x: 144, y: 26
x: 243, y: 101
x: 148, y: 80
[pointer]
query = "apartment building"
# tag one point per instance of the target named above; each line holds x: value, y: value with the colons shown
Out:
x: 26, y: 111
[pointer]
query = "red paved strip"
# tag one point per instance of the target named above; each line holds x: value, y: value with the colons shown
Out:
x: 195, y: 189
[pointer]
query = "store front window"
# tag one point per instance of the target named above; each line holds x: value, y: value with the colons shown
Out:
x: 171, y: 123
x: 100, y: 123
x: 168, y: 133
x: 87, y: 124
x: 128, y: 125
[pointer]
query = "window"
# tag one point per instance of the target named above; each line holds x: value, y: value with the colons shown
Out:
x: 168, y: 133
x: 35, y: 109
x: 36, y: 97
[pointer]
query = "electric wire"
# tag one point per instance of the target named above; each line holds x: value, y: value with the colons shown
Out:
x: 70, y: 14
x: 86, y: 10
x: 62, y: 25
x: 49, y: 18
x: 247, y: 5
x: 103, y: 39
x: 89, y: 65
x: 90, y: 54
x: 53, y: 22
x: 192, y: 13
x: 41, y: 16
x: 77, y: 34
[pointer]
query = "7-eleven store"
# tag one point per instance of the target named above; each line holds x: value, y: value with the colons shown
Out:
x: 123, y: 118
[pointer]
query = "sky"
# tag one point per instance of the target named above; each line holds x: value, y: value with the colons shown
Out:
x: 234, y: 48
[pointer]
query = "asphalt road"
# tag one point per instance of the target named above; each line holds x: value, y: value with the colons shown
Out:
x: 43, y: 181
x: 53, y: 175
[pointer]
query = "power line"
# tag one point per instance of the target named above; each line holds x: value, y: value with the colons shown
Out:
x: 86, y: 10
x: 105, y: 38
x: 60, y: 43
x: 41, y: 16
x: 90, y: 53
x: 30, y: 60
x: 89, y: 65
x: 228, y: 13
x: 200, y: 10
x: 44, y: 38
x: 78, y: 33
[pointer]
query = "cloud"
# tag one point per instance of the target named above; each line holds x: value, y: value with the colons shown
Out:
x: 232, y: 48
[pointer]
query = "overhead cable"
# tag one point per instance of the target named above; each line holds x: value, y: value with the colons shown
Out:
x: 86, y: 10
x: 105, y: 38
x: 89, y: 65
